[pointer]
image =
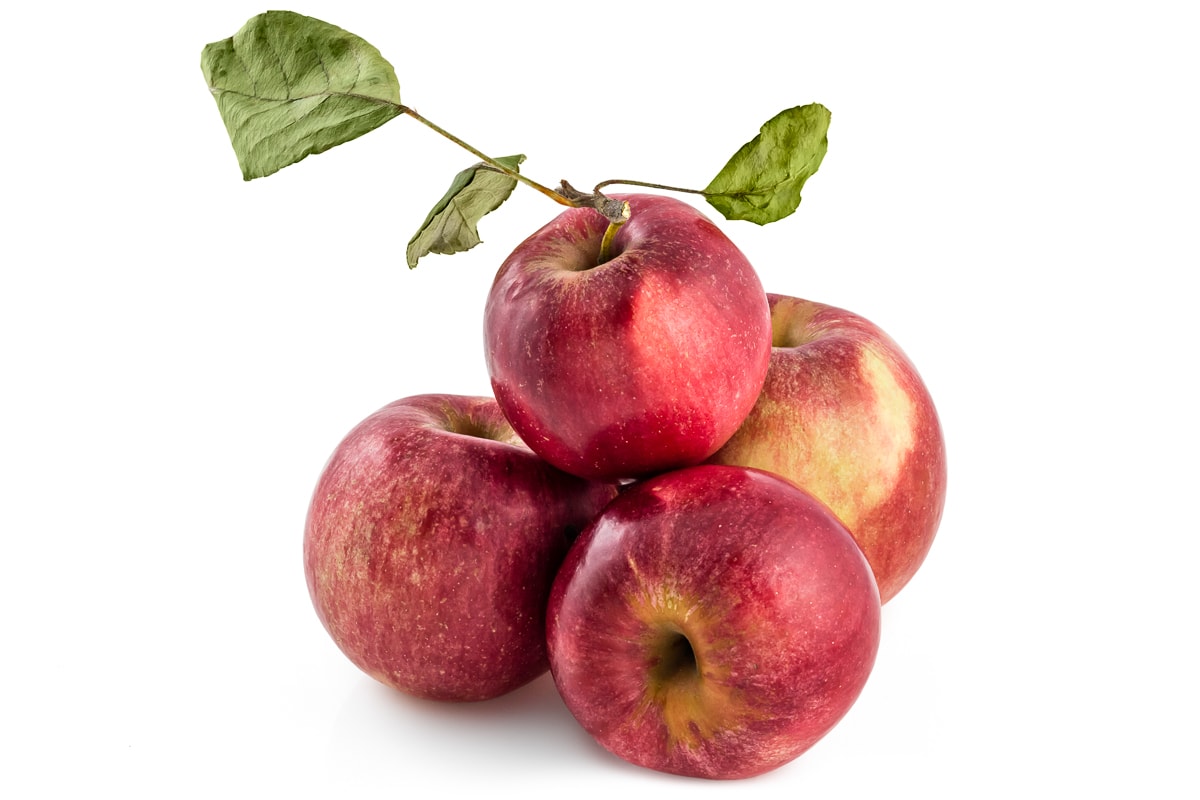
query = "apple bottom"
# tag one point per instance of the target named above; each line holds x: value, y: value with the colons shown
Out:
x: 712, y: 622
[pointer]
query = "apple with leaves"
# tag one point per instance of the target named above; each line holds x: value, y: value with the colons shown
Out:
x: 844, y: 414
x: 633, y: 361
x: 714, y: 622
x: 431, y: 543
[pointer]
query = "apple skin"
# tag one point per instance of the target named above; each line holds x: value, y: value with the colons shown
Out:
x: 642, y: 364
x: 431, y: 543
x: 712, y: 622
x: 844, y: 414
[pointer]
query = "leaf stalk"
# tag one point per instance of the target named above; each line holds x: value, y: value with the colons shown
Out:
x: 644, y: 184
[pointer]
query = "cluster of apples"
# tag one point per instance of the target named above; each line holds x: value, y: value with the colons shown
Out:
x: 688, y: 500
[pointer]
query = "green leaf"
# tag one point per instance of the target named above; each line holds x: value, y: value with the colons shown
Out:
x: 762, y: 182
x: 451, y: 224
x: 288, y: 86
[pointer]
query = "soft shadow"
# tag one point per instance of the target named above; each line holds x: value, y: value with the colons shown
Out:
x: 526, y: 738
x: 528, y: 730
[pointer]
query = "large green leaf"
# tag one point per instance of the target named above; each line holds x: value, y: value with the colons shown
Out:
x: 762, y: 182
x: 289, y: 86
x: 451, y: 226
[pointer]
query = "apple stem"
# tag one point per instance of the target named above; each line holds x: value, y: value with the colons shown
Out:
x: 615, y: 211
x: 491, y: 162
x: 610, y: 233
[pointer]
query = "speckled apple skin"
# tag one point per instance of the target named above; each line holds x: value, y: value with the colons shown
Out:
x: 845, y: 415
x: 778, y: 603
x: 645, y: 363
x: 429, y: 553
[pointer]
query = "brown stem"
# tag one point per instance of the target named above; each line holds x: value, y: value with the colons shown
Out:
x: 610, y: 233
x: 491, y: 162
x: 615, y: 211
x: 623, y: 182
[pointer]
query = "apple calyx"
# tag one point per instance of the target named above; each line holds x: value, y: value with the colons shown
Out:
x: 676, y: 685
x: 677, y: 658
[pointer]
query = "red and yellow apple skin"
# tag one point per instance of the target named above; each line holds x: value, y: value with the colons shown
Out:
x: 713, y: 622
x: 431, y: 544
x: 844, y: 414
x: 644, y: 363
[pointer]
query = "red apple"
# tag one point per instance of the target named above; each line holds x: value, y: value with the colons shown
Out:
x: 644, y: 363
x: 713, y: 622
x: 431, y: 543
x: 844, y: 414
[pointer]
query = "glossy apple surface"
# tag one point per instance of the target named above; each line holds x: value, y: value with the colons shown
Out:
x: 845, y: 415
x: 644, y: 363
x: 713, y: 622
x: 431, y: 543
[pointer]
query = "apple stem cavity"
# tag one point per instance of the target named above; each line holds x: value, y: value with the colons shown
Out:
x: 467, y: 425
x: 610, y: 233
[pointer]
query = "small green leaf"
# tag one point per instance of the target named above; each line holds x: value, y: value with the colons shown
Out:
x: 762, y: 182
x: 451, y: 225
x: 288, y: 86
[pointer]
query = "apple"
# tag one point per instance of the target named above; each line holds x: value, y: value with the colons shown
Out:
x: 713, y: 622
x: 844, y: 414
x: 644, y: 363
x: 431, y: 543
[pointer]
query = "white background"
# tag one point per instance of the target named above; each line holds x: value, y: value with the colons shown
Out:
x: 1010, y: 191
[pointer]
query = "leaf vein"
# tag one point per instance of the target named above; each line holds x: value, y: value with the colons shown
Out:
x: 287, y: 82
x: 245, y: 66
x: 357, y: 67
x: 321, y: 61
x: 301, y: 118
x: 353, y: 95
